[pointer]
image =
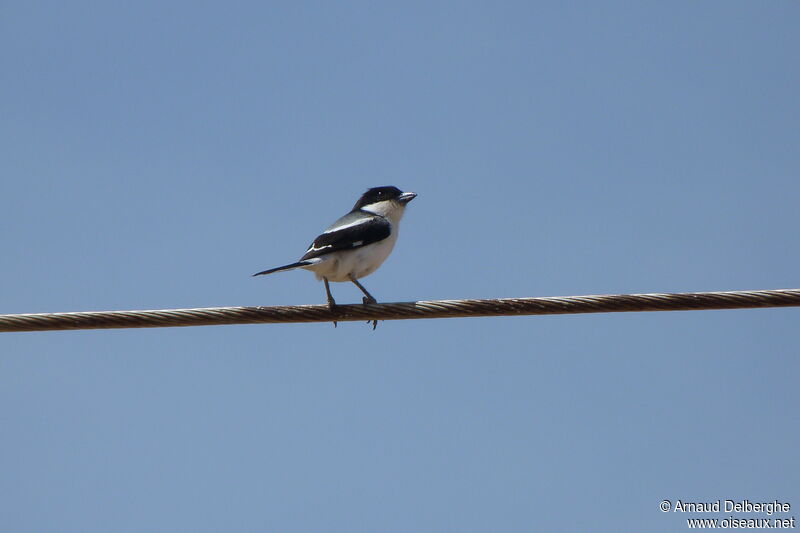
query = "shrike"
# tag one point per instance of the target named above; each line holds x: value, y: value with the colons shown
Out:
x: 358, y: 243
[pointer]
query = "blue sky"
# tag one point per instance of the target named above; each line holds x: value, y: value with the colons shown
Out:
x: 154, y: 155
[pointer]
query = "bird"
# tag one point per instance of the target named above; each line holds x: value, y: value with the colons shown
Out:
x: 356, y: 244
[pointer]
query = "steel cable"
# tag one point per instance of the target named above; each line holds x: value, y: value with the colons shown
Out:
x: 212, y: 316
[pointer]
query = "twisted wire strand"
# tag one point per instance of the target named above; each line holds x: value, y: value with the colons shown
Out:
x: 212, y: 316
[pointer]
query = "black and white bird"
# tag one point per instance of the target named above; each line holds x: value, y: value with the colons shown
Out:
x: 358, y: 243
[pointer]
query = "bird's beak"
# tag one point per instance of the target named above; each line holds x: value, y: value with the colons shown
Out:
x: 407, y: 197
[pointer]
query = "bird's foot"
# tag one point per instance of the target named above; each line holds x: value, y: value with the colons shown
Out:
x: 370, y: 300
x: 332, y: 307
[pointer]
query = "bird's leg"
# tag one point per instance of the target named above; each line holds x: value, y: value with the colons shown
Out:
x: 368, y: 299
x: 331, y: 301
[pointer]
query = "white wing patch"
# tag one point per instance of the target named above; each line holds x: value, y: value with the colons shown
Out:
x: 312, y: 248
x: 350, y: 225
x: 357, y: 243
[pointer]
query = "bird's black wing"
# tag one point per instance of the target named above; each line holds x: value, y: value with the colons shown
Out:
x: 352, y: 231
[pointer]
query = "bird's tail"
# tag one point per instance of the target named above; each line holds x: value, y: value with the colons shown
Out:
x: 287, y: 267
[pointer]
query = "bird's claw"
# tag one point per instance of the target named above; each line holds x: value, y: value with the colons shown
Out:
x: 332, y: 307
x: 370, y: 300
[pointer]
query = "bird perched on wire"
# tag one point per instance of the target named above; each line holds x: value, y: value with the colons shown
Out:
x: 357, y: 244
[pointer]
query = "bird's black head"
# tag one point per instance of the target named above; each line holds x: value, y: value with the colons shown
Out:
x: 382, y: 194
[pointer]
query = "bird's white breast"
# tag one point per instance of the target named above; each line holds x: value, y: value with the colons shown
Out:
x: 360, y: 262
